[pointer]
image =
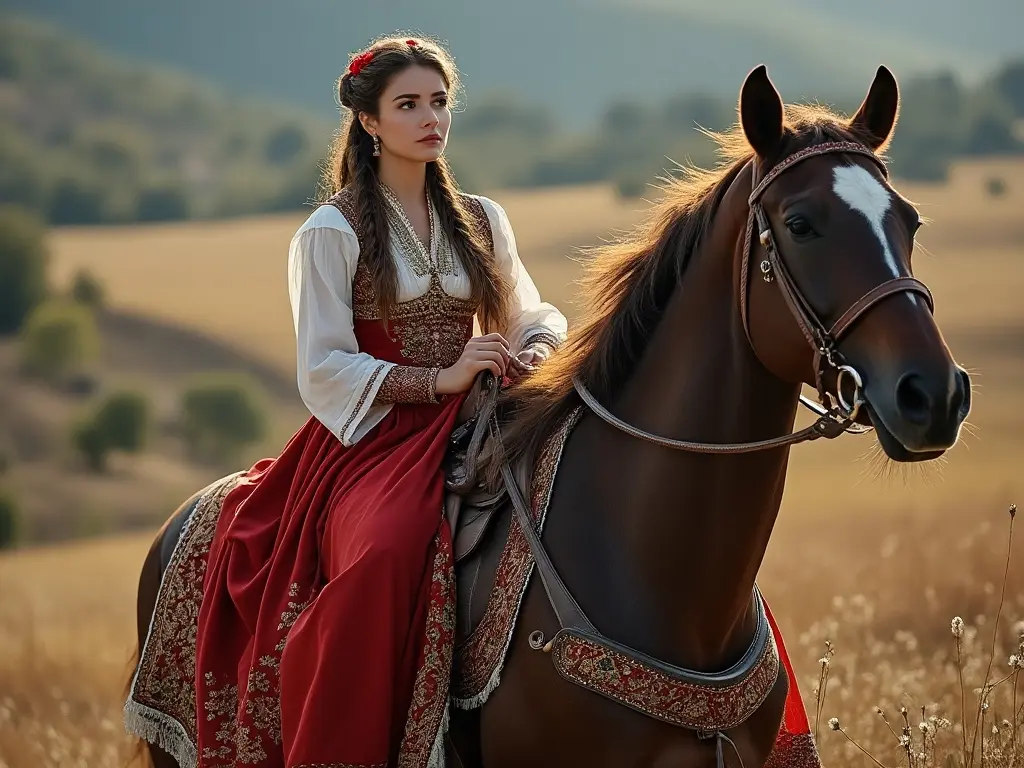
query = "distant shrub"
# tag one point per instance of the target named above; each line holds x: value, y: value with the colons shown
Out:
x: 89, y: 441
x: 124, y: 420
x: 995, y: 186
x: 120, y: 423
x: 58, y: 339
x: 630, y: 186
x: 10, y: 520
x: 220, y: 415
x: 166, y: 203
x: 87, y: 289
x: 285, y: 144
x: 23, y: 261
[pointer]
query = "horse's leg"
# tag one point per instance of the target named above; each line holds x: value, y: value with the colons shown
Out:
x: 463, y: 747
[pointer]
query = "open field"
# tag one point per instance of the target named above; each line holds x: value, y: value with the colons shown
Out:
x: 227, y: 280
x: 877, y: 562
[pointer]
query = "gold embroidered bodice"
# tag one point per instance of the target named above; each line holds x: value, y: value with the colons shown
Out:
x: 433, y: 328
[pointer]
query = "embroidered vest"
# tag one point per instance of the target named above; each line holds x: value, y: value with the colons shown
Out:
x: 430, y: 330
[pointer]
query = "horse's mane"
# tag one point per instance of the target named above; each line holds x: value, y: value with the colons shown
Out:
x: 627, y: 283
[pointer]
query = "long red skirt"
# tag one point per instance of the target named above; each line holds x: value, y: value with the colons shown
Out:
x: 315, y: 638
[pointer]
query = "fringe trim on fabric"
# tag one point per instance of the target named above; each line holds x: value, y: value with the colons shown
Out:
x: 437, y: 751
x: 160, y: 730
x: 144, y: 722
x: 478, y: 700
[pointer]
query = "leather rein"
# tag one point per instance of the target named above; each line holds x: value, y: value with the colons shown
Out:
x: 834, y: 418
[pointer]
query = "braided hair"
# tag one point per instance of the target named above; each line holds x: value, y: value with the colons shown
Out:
x: 352, y: 166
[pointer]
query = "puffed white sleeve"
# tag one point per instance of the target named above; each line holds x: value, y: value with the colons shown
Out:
x: 347, y: 390
x: 531, y: 320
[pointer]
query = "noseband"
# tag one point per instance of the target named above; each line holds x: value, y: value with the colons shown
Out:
x: 834, y: 418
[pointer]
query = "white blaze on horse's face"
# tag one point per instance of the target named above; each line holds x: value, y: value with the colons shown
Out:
x: 865, y: 194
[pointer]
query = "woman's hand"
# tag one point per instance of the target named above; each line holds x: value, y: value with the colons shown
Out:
x: 482, y: 353
x: 527, y: 360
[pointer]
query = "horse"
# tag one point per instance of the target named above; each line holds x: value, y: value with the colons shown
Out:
x: 671, y: 409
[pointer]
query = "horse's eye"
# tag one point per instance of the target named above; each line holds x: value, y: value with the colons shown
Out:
x: 799, y: 226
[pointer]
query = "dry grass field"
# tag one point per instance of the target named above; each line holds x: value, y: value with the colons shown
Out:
x: 875, y: 560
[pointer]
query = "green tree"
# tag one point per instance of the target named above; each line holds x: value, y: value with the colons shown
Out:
x: 285, y: 144
x: 23, y: 263
x: 162, y: 203
x: 123, y: 420
x: 1009, y: 82
x: 58, y: 340
x: 87, y: 289
x: 10, y: 520
x: 89, y: 441
x: 221, y: 414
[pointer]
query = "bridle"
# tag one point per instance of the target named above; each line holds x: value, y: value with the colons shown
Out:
x: 834, y: 418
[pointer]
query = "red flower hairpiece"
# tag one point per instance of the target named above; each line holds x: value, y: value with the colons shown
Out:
x: 359, y: 62
x: 410, y: 42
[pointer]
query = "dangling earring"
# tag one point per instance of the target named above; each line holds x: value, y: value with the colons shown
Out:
x: 376, y: 146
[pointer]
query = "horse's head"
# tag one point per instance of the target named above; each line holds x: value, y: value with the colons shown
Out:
x: 834, y: 242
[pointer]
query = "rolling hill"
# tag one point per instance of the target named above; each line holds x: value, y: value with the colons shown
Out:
x: 570, y: 55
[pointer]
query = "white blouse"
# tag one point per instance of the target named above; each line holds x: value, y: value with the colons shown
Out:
x: 338, y: 382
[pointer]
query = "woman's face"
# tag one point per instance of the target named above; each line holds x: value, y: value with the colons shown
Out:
x: 414, y: 117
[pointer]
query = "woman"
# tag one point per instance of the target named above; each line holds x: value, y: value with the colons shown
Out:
x: 327, y: 619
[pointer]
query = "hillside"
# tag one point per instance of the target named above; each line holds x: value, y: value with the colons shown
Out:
x: 57, y: 497
x: 581, y: 53
x: 86, y: 136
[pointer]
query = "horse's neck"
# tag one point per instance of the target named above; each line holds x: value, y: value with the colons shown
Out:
x: 694, y: 527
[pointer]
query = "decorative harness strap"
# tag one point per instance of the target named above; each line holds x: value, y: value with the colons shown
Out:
x: 708, y: 703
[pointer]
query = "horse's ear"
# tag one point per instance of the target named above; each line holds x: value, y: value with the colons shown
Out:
x: 877, y: 115
x: 761, y: 112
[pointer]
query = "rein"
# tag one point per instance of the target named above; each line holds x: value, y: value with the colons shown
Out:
x: 836, y: 418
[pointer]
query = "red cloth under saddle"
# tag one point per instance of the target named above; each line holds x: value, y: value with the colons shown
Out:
x: 325, y: 632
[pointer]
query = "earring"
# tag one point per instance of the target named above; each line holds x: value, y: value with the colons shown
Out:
x: 376, y: 146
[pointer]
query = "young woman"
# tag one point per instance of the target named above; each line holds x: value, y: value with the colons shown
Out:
x: 325, y: 631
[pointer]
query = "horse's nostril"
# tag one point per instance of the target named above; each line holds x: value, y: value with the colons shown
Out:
x: 912, y: 399
x: 962, y: 395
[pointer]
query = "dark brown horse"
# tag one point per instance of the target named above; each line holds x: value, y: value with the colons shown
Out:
x: 789, y: 265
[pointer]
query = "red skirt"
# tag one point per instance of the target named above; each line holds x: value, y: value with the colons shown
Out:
x: 325, y: 630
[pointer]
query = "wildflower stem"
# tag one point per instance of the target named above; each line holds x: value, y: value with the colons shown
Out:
x: 889, y: 726
x: 858, y: 746
x: 963, y: 705
x: 995, y: 637
x: 1013, y: 726
x: 981, y: 728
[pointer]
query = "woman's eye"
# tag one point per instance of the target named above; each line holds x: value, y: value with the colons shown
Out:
x: 405, y: 104
x: 799, y: 226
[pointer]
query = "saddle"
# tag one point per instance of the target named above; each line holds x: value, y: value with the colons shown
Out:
x: 479, y: 517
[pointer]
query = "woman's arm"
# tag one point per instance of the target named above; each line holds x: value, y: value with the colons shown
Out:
x: 340, y: 385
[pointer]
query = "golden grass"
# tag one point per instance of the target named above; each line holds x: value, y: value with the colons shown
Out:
x: 875, y: 561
